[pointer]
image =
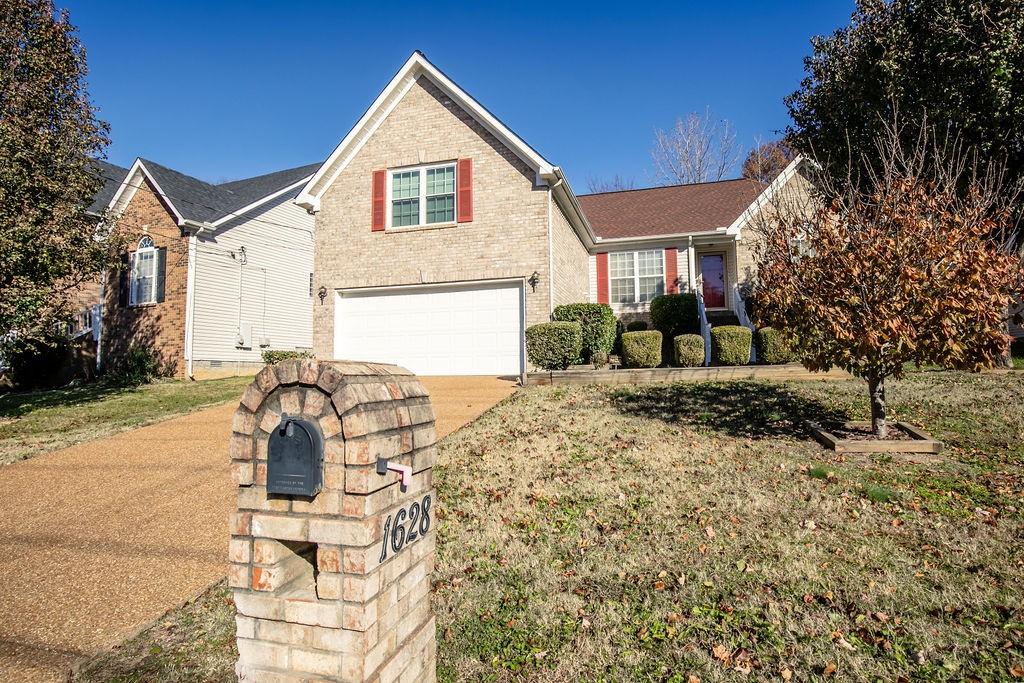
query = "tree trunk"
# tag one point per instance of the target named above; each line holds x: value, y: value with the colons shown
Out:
x: 876, y: 390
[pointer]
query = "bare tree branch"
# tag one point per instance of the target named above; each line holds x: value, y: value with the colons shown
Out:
x: 697, y: 149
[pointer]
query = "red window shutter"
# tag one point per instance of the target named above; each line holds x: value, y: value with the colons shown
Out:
x: 464, y: 179
x: 602, y: 278
x: 378, y: 203
x: 671, y: 271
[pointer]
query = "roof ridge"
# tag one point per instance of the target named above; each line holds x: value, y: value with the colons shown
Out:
x: 675, y: 185
x: 264, y: 175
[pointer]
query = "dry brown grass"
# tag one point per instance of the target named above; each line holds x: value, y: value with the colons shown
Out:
x: 654, y: 533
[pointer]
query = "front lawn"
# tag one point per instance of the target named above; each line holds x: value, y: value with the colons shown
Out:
x: 35, y: 422
x: 669, y: 533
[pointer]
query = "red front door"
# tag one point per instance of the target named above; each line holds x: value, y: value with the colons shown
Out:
x: 712, y: 270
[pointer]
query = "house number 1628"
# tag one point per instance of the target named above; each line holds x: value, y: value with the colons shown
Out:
x: 405, y: 526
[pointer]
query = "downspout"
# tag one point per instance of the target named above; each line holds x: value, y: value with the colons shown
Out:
x: 551, y: 252
x: 99, y: 321
x: 190, y: 305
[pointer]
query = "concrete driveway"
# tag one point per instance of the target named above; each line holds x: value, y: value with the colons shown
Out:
x: 99, y: 539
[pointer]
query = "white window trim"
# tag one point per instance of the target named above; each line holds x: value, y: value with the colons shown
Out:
x: 134, y: 274
x: 636, y: 276
x: 389, y: 209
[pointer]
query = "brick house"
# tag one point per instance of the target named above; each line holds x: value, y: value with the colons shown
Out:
x: 216, y: 273
x: 441, y: 235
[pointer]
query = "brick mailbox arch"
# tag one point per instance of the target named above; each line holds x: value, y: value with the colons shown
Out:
x: 335, y: 586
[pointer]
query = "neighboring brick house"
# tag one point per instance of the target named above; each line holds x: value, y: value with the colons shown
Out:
x: 215, y: 274
x: 441, y: 235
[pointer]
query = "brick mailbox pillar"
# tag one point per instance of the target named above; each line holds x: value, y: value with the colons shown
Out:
x: 334, y: 585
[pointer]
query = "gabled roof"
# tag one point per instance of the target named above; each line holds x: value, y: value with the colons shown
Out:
x: 201, y: 204
x: 112, y: 176
x: 417, y: 66
x: 674, y: 209
x: 723, y: 206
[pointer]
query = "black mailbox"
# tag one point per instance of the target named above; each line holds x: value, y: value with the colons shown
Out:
x: 295, y: 458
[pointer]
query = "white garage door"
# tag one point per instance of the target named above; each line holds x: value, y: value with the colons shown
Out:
x: 434, y: 330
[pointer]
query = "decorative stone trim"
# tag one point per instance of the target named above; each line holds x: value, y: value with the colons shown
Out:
x: 321, y: 591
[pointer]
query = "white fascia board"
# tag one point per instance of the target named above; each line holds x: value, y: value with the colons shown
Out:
x: 566, y: 198
x: 128, y: 189
x: 661, y: 240
x: 766, y: 195
x: 416, y: 66
x: 259, y: 202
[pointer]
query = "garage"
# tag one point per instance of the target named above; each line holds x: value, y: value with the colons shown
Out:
x: 450, y: 329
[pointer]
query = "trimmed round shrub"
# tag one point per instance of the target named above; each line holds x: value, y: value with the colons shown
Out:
x: 772, y: 347
x: 730, y: 345
x: 689, y: 350
x: 636, y: 326
x: 599, y: 359
x: 271, y: 356
x: 675, y: 314
x: 641, y: 349
x: 597, y: 321
x: 554, y: 346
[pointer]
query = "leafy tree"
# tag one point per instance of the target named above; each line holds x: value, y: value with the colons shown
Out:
x: 767, y: 161
x: 49, y: 135
x: 901, y: 267
x: 958, y: 63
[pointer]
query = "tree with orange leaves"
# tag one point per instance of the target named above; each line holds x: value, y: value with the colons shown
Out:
x: 907, y: 265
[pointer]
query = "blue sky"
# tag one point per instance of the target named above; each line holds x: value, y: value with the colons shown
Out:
x: 225, y: 90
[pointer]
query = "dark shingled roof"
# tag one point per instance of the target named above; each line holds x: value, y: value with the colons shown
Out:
x: 204, y: 202
x: 112, y: 177
x: 669, y: 210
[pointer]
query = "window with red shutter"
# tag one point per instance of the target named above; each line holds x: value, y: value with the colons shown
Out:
x: 465, y: 185
x: 602, y: 278
x: 379, y: 201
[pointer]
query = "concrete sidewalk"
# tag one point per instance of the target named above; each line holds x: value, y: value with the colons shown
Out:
x: 101, y: 538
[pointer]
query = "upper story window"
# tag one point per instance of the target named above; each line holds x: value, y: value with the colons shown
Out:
x: 636, y: 276
x: 143, y: 269
x: 422, y: 196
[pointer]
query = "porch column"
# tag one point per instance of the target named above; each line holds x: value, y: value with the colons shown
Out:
x: 691, y: 268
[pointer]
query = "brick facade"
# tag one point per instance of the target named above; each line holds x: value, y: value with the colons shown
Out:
x: 570, y: 260
x: 160, y: 326
x: 325, y: 587
x: 507, y: 238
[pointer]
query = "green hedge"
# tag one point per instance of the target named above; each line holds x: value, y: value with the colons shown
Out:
x: 636, y: 326
x: 599, y: 359
x: 271, y: 356
x: 597, y: 322
x: 772, y: 347
x: 675, y: 314
x: 641, y: 349
x: 554, y: 346
x: 730, y: 345
x: 689, y: 350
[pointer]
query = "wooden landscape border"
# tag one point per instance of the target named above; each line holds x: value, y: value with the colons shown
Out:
x: 658, y: 375
x: 920, y: 441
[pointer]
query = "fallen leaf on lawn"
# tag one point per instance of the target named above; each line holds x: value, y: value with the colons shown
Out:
x: 830, y: 669
x: 710, y: 532
x: 673, y: 618
x: 721, y: 652
x: 808, y: 598
x: 809, y: 524
x: 787, y: 674
x: 882, y: 617
x: 659, y: 585
x: 1017, y: 671
x: 692, y: 679
x: 585, y: 623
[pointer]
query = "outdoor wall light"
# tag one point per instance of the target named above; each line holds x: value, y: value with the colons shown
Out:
x: 322, y: 293
x: 534, y: 280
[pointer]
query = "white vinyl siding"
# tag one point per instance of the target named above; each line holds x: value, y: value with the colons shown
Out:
x: 262, y: 296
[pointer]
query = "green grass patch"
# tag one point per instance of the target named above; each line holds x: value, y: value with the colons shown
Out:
x: 35, y: 422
